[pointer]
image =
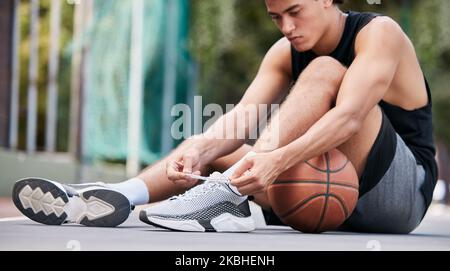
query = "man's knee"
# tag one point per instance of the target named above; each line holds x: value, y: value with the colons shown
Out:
x: 325, y: 71
x: 325, y: 68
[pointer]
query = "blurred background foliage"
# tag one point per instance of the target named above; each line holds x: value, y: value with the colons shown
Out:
x: 228, y: 40
x: 63, y: 74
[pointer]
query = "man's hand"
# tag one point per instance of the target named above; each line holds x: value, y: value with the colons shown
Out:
x: 189, y: 162
x: 257, y: 172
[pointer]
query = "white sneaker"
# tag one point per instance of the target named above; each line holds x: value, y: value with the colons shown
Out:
x: 210, y: 206
x: 53, y: 203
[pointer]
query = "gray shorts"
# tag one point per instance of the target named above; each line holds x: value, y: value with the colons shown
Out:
x: 396, y: 204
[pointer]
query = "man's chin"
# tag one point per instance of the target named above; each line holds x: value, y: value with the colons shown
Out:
x: 301, y: 47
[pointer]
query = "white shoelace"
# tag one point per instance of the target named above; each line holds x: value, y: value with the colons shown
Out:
x: 209, y: 184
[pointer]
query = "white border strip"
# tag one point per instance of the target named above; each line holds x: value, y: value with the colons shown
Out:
x: 16, y: 218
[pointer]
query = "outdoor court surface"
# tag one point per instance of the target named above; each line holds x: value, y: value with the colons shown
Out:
x: 19, y: 233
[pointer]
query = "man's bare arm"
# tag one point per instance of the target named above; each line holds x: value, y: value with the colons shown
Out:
x: 271, y: 82
x: 379, y: 50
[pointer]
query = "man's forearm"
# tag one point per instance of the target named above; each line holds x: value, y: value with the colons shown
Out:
x: 211, y: 148
x: 226, y: 135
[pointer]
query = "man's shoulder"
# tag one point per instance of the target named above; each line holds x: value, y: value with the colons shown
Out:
x: 380, y: 30
x: 279, y: 55
x: 385, y: 23
x: 281, y: 46
x: 382, y: 25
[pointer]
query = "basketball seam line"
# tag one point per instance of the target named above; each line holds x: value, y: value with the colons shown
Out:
x: 300, y: 205
x: 327, y: 194
x: 313, y: 181
x: 328, y: 170
x: 342, y: 203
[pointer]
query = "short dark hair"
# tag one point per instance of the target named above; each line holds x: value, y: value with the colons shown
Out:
x: 338, y: 1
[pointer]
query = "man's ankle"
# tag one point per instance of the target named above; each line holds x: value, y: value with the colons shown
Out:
x: 134, y: 189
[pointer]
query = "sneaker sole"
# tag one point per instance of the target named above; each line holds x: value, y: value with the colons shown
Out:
x: 223, y: 223
x: 47, y: 202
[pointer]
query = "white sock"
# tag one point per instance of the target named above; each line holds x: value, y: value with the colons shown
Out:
x: 134, y: 189
x: 229, y: 172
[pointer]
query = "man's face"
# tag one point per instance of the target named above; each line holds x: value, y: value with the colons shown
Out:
x: 303, y: 22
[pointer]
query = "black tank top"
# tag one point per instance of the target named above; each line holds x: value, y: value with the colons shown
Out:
x: 414, y: 127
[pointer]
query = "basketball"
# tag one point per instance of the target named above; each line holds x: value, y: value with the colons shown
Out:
x: 317, y: 195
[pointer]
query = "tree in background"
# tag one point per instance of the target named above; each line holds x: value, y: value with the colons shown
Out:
x: 63, y: 74
x: 228, y: 40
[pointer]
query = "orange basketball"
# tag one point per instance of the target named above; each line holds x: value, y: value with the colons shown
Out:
x: 317, y: 195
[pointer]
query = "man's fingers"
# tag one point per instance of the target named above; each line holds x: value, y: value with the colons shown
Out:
x: 187, y: 163
x: 172, y: 167
x: 181, y: 178
x: 241, y: 181
x: 174, y: 175
x: 248, y: 189
x: 174, y: 171
x: 190, y: 179
x: 177, y: 176
x: 246, y: 165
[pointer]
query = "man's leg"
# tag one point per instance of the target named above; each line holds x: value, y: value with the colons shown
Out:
x: 314, y: 94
